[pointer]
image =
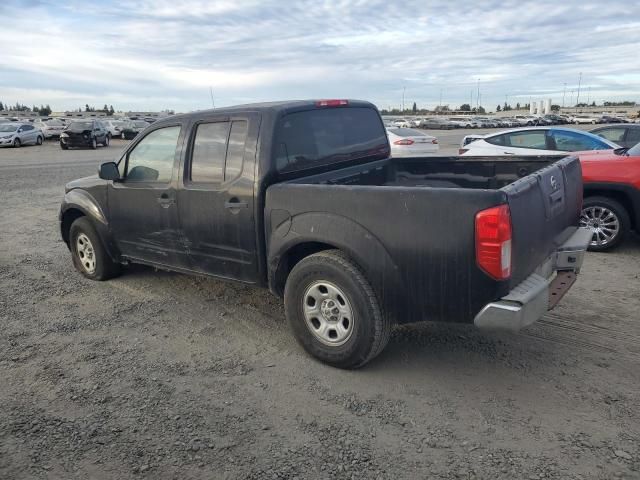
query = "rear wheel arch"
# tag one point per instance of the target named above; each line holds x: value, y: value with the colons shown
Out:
x: 350, y: 238
x: 619, y: 196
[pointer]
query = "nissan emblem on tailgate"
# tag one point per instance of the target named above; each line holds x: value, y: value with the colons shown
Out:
x: 554, y: 183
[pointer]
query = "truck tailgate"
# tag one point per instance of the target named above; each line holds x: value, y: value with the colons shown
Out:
x: 545, y: 207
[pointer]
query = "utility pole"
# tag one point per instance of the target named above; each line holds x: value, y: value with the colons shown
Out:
x: 478, y: 96
x: 578, y: 97
x: 213, y: 104
x: 403, y: 90
x: 564, y: 91
x: 440, y: 98
x: 588, y: 94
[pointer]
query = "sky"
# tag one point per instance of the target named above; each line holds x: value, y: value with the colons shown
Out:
x: 160, y: 54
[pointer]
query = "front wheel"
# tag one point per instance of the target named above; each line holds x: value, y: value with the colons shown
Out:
x: 334, y: 312
x: 17, y: 143
x: 39, y: 141
x: 63, y: 146
x: 88, y: 254
x: 107, y: 138
x: 94, y: 143
x: 607, y: 219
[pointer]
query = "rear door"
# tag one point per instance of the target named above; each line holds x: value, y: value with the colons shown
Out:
x: 216, y: 196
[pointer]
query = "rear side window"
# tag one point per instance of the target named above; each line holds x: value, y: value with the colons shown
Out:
x: 235, y: 150
x: 497, y: 140
x: 535, y: 139
x: 326, y: 136
x: 614, y: 134
x: 218, y: 151
x: 633, y: 136
x: 209, y: 150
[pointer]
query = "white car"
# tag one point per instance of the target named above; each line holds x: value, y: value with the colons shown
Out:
x: 534, y: 141
x: 584, y: 119
x: 408, y: 142
x: 463, y: 122
x: 114, y: 127
x: 50, y: 128
x: 402, y: 124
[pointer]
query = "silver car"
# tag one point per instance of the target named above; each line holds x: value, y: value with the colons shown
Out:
x: 16, y: 134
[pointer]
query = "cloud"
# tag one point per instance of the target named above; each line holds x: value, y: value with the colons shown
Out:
x: 167, y: 55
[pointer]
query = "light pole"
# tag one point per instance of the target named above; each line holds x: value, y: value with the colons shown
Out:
x: 564, y: 91
x: 478, y: 96
x: 578, y: 97
x: 403, y: 90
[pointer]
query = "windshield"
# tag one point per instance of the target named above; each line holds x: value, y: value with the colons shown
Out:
x: 8, y: 127
x: 140, y: 124
x: 321, y: 137
x: 80, y: 126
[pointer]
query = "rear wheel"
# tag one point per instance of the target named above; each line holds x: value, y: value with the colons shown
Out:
x: 88, y: 254
x: 607, y: 219
x: 63, y: 146
x: 333, y: 311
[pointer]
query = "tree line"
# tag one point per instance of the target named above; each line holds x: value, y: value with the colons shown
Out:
x: 45, y: 110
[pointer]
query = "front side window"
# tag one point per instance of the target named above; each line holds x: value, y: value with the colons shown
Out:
x: 536, y: 140
x: 152, y: 159
x: 574, y: 142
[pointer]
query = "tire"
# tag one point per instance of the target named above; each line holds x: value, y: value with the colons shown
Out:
x: 88, y: 254
x: 94, y: 143
x: 39, y: 140
x: 17, y: 143
x: 63, y: 146
x: 346, y: 292
x: 123, y: 136
x: 107, y: 139
x: 597, y: 209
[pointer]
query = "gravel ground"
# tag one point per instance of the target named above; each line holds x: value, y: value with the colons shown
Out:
x: 160, y: 375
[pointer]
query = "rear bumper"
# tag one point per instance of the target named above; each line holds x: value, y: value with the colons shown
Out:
x: 541, y: 291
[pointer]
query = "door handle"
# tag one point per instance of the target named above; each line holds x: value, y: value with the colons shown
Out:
x: 235, y: 203
x: 165, y: 200
x: 508, y: 153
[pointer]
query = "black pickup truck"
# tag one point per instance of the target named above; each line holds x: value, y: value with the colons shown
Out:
x: 302, y: 197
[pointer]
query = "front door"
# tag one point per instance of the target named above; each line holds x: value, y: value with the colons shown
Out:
x: 216, y: 200
x: 143, y: 212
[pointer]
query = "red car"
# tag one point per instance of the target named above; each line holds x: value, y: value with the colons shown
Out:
x: 611, y: 205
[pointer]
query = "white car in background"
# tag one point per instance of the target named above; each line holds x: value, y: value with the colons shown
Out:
x: 408, y: 142
x: 50, y: 128
x: 114, y: 127
x: 584, y: 119
x: 533, y: 141
x: 402, y: 124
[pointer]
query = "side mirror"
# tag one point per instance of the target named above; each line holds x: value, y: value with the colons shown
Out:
x: 19, y: 130
x: 109, y: 171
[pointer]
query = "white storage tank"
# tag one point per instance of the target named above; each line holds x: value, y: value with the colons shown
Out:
x: 532, y: 108
x: 547, y: 106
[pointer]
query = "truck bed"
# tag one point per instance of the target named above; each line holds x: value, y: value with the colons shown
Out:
x: 414, y: 228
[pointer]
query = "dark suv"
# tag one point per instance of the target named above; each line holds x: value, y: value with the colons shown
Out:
x: 85, y: 133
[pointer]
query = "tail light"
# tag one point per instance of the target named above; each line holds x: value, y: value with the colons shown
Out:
x: 434, y: 141
x: 462, y: 150
x: 493, y: 241
x: 332, y: 103
x: 406, y: 141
